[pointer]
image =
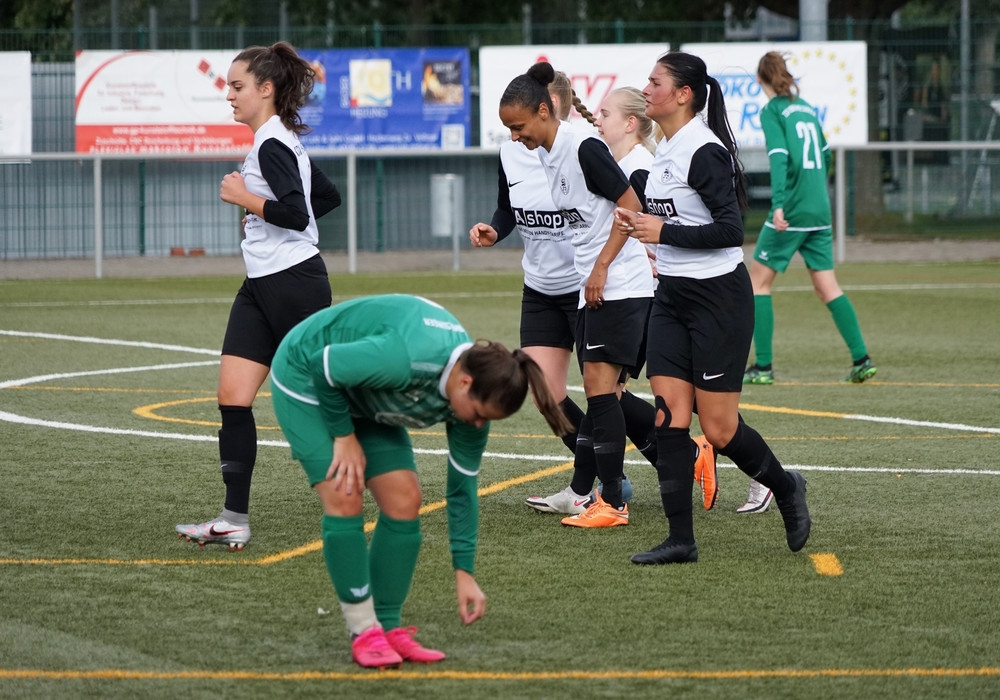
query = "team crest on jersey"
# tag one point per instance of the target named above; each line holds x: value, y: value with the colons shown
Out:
x: 665, y: 176
x: 564, y: 184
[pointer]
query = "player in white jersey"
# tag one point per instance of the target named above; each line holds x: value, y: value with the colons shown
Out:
x: 701, y: 323
x: 282, y: 193
x: 550, y: 297
x: 586, y: 184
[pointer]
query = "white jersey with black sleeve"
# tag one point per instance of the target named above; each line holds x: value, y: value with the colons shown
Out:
x: 639, y: 158
x: 524, y: 201
x: 276, y: 166
x: 691, y: 187
x: 586, y: 183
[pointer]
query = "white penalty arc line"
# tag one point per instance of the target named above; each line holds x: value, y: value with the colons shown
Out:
x: 13, y: 418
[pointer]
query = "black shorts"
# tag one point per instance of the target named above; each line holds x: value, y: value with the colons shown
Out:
x: 267, y: 307
x: 548, y: 320
x: 612, y: 333
x: 700, y: 330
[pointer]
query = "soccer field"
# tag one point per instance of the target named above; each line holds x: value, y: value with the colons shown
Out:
x: 108, y: 427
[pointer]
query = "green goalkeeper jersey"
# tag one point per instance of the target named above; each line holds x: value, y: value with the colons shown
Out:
x: 387, y: 358
x: 799, y: 158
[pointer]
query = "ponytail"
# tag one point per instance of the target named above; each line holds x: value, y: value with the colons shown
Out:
x: 502, y: 378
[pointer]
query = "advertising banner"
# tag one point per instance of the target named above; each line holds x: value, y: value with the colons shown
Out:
x: 594, y: 69
x: 389, y: 98
x: 832, y: 77
x: 175, y: 101
x: 15, y: 108
x: 155, y: 102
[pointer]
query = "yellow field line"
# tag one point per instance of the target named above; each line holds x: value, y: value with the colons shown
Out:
x: 651, y: 674
x: 827, y: 564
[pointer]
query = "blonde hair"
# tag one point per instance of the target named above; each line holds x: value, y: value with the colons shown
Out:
x: 773, y: 71
x: 562, y: 88
x: 633, y: 104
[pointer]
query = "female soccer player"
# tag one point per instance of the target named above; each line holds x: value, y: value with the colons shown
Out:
x: 282, y: 193
x: 346, y: 384
x: 799, y: 221
x: 585, y: 184
x: 701, y: 322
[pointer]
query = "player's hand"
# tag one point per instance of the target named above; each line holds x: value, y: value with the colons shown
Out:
x: 232, y: 188
x: 593, y: 290
x: 471, y: 601
x: 642, y: 227
x: 482, y: 235
x: 347, y: 470
x: 779, y: 220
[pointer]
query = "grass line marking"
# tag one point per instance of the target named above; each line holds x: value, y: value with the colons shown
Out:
x: 111, y: 341
x: 827, y: 564
x: 368, y: 676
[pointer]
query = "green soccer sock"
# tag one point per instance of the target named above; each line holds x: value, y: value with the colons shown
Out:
x: 846, y: 321
x: 394, y: 550
x: 763, y: 329
x: 345, y: 550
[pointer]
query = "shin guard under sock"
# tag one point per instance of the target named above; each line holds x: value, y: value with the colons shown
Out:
x: 392, y: 559
x: 237, y: 455
x: 609, y: 444
x: 754, y: 458
x: 675, y: 470
x: 574, y: 414
x: 345, y: 551
x: 640, y: 424
x: 584, y: 462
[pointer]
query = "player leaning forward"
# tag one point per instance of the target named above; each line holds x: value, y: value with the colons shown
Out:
x: 347, y: 383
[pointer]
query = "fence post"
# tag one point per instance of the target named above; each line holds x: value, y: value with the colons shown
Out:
x: 352, y: 212
x: 840, y: 188
x: 98, y: 219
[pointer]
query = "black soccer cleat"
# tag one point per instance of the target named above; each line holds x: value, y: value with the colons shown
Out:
x: 668, y: 552
x: 795, y: 513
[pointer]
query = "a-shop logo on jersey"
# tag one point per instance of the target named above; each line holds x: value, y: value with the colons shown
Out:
x: 574, y: 219
x: 662, y: 207
x: 665, y: 175
x: 533, y: 218
x: 563, y: 185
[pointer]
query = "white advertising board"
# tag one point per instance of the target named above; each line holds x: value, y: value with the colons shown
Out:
x: 594, y: 70
x: 154, y: 102
x: 15, y: 108
x: 832, y: 77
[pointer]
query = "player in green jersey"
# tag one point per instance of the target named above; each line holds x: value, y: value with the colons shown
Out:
x: 800, y: 221
x: 346, y: 384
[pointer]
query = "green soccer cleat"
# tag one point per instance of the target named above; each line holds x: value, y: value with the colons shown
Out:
x: 859, y: 373
x: 756, y: 374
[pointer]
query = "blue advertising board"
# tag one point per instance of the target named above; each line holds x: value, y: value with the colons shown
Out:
x: 388, y: 99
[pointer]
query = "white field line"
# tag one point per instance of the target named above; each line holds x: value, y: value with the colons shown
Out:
x: 468, y: 295
x: 37, y: 422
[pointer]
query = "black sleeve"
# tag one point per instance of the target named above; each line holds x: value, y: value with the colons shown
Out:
x: 600, y: 170
x: 711, y: 176
x: 503, y: 218
x: 324, y: 195
x: 280, y: 169
x: 638, y: 182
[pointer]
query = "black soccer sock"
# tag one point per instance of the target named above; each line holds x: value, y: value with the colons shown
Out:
x: 675, y: 470
x: 584, y: 462
x: 574, y: 415
x: 237, y: 455
x: 640, y: 424
x: 754, y: 458
x: 609, y: 444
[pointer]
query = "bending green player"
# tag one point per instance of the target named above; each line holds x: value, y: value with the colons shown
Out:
x: 347, y: 383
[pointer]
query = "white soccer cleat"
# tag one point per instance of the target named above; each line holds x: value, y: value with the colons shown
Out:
x: 218, y: 531
x: 566, y: 502
x: 758, y: 500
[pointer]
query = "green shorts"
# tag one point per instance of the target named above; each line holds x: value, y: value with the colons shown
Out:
x: 387, y: 447
x: 775, y: 250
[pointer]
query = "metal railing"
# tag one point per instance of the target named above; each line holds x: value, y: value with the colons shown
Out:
x: 387, y: 202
